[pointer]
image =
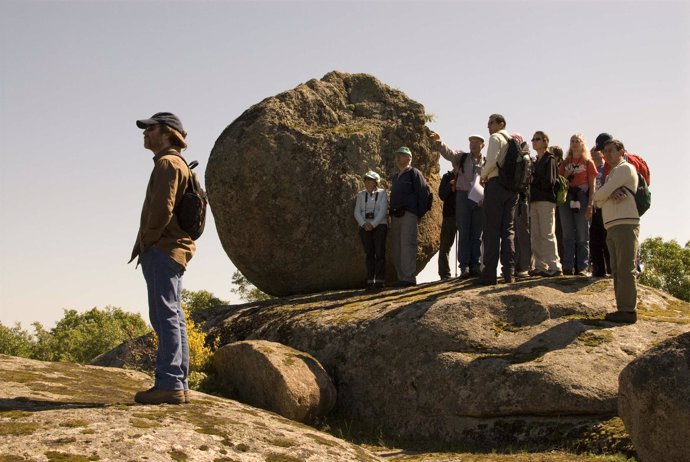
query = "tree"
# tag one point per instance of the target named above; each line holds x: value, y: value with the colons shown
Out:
x: 199, y: 300
x: 15, y: 341
x: 666, y: 266
x: 246, y: 290
x: 80, y: 337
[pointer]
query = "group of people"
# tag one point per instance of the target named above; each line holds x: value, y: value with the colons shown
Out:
x: 596, y: 227
x: 489, y: 226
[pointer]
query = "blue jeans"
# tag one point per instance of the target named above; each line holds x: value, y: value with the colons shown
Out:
x: 470, y: 222
x: 575, y: 230
x: 164, y: 283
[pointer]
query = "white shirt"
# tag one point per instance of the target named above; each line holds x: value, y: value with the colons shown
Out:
x: 376, y: 202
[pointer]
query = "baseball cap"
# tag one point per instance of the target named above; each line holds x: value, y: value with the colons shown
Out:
x: 404, y: 150
x: 372, y: 175
x: 601, y: 140
x: 165, y: 118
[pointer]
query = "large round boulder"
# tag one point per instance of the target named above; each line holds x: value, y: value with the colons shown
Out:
x: 654, y: 401
x: 275, y: 377
x: 283, y: 177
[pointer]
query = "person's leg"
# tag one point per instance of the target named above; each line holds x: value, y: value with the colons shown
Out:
x: 523, y: 248
x: 537, y: 212
x: 448, y: 230
x: 463, y: 218
x: 370, y: 251
x: 163, y: 280
x: 626, y: 242
x: 568, y: 235
x: 396, y: 245
x: 509, y: 204
x: 475, y: 242
x: 408, y: 257
x: 380, y: 233
x: 491, y: 237
x: 582, y: 233
x: 597, y: 244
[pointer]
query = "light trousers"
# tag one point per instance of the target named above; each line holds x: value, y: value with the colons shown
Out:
x: 403, y: 235
x: 543, y: 236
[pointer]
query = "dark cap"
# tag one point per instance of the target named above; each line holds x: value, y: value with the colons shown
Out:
x: 601, y: 140
x: 165, y: 118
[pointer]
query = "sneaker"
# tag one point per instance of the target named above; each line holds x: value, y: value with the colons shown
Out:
x: 552, y: 274
x: 536, y: 272
x: 522, y: 274
x: 622, y: 317
x: 465, y: 273
x: 582, y: 272
x: 160, y: 396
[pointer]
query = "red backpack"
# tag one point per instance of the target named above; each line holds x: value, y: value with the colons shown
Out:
x: 638, y: 162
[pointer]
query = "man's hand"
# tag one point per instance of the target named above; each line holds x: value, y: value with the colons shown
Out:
x: 619, y: 194
x: 368, y: 227
x: 434, y: 136
x: 588, y: 212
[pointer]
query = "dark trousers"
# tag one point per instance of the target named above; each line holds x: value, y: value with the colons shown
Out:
x: 448, y: 231
x: 470, y: 221
x: 374, y: 242
x: 598, y: 251
x: 523, y: 245
x: 499, y: 230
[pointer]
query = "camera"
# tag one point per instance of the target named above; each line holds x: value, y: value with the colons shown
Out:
x: 369, y: 215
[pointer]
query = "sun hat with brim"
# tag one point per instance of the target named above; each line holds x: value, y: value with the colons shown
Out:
x: 372, y: 175
x: 164, y: 118
x: 479, y: 137
x: 404, y: 150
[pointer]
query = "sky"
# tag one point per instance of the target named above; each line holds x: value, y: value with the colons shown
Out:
x: 75, y: 75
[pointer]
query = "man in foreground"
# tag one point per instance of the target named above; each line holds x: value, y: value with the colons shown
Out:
x: 622, y: 223
x: 164, y: 250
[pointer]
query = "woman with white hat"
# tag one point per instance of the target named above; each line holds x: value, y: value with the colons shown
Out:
x: 371, y: 213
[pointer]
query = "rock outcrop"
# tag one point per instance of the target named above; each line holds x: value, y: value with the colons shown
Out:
x: 283, y: 177
x: 654, y: 401
x: 275, y: 377
x: 531, y: 361
x: 63, y: 411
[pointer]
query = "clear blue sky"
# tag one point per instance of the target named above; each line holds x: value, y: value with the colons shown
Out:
x: 75, y: 75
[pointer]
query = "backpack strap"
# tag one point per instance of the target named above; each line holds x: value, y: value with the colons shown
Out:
x: 463, y: 159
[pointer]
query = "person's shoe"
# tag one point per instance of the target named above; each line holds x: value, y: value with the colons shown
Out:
x: 552, y: 274
x: 160, y: 396
x: 444, y: 277
x: 508, y: 279
x: 379, y: 285
x: 484, y: 282
x: 582, y: 272
x: 622, y: 317
x: 536, y: 272
x: 568, y: 271
x: 475, y: 271
x: 401, y: 284
x: 465, y: 273
x: 522, y: 274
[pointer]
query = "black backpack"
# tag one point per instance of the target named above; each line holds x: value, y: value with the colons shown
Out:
x: 516, y: 172
x: 191, y: 210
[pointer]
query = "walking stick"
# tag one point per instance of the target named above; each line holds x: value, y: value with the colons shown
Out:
x: 457, y: 237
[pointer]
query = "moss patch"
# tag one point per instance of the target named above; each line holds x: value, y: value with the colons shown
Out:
x: 282, y: 458
x: 74, y: 423
x: 55, y: 456
x: 178, y: 456
x: 593, y: 339
x: 142, y: 423
x: 283, y: 442
x: 18, y: 428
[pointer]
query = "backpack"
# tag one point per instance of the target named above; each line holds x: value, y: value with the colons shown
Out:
x: 643, y: 196
x: 560, y: 189
x: 191, y: 210
x: 516, y: 172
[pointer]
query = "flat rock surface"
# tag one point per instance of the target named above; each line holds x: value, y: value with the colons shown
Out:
x: 449, y: 361
x: 283, y: 177
x: 63, y: 411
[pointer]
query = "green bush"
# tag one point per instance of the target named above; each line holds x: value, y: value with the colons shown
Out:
x: 666, y: 266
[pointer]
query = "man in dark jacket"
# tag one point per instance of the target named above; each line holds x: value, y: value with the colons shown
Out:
x: 408, y: 203
x: 164, y: 249
x: 446, y: 191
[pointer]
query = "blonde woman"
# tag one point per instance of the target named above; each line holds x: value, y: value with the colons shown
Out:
x: 575, y: 214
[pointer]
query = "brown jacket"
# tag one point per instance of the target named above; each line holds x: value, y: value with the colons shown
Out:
x: 159, y: 226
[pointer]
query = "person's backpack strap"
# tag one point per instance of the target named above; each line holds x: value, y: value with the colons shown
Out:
x: 463, y: 159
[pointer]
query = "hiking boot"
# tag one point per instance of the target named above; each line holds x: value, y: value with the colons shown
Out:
x: 160, y: 396
x: 465, y: 273
x: 622, y: 317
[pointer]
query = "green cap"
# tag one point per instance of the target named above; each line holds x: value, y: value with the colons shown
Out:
x: 404, y: 150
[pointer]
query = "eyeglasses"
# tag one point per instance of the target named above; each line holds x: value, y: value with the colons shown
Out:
x: 537, y: 139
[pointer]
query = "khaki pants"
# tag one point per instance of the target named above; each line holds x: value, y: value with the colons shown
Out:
x: 403, y: 235
x: 622, y: 241
x: 542, y: 232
